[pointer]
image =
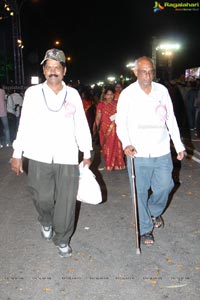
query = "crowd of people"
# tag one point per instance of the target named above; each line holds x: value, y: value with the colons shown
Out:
x: 56, y: 121
x: 185, y: 96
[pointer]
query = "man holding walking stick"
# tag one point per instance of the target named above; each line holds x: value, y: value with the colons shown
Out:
x: 145, y: 125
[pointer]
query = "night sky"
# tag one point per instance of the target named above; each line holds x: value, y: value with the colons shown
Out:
x: 103, y: 36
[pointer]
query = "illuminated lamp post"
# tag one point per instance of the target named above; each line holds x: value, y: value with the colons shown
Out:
x: 168, y: 56
x: 5, y: 13
x: 167, y: 51
x: 17, y: 42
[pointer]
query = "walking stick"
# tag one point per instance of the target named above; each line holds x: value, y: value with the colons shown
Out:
x: 135, y: 207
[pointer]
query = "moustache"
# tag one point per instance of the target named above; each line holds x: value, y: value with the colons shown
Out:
x: 53, y: 75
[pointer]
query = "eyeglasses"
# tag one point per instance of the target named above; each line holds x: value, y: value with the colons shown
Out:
x: 145, y: 72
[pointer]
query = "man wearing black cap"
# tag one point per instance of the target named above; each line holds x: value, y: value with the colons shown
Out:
x: 53, y: 128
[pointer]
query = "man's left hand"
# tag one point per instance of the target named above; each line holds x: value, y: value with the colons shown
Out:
x: 87, y: 161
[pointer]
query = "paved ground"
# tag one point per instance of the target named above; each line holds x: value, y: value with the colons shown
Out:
x: 104, y: 264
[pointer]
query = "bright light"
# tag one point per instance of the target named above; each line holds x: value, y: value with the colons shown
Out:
x: 130, y: 65
x: 111, y: 78
x: 57, y: 43
x: 100, y: 83
x: 20, y: 43
x: 168, y: 46
x: 167, y: 53
x: 34, y: 80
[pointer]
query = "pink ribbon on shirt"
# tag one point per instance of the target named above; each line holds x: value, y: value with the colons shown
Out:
x: 70, y: 109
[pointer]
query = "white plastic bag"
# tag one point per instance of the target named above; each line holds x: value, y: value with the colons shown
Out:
x: 89, y: 190
x: 113, y: 117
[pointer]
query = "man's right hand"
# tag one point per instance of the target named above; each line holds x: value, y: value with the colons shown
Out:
x: 16, y: 165
x: 130, y: 151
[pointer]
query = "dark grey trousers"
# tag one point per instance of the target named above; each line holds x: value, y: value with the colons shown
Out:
x: 54, y: 189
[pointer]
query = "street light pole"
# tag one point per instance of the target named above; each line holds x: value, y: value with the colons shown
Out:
x: 15, y: 51
x: 17, y: 43
x: 167, y: 50
x: 20, y: 45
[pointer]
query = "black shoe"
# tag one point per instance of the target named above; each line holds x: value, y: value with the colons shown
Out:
x: 47, y: 232
x: 147, y: 239
x: 64, y: 250
x: 158, y: 222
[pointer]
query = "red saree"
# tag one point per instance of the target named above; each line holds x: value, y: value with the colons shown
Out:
x: 111, y: 146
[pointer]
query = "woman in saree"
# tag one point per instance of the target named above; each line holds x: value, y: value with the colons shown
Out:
x: 111, y: 146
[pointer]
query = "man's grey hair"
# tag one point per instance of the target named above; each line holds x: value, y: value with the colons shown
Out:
x: 143, y: 58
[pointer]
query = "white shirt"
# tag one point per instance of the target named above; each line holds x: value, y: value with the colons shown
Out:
x: 14, y: 104
x: 51, y: 130
x: 147, y: 121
